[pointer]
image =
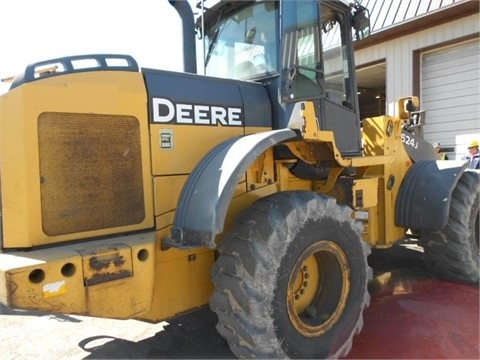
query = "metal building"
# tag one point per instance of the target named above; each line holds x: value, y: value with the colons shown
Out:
x: 428, y: 48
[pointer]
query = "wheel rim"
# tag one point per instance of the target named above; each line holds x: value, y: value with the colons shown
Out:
x: 318, y: 288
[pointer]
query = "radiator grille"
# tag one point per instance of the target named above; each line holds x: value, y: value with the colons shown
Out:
x: 90, y: 172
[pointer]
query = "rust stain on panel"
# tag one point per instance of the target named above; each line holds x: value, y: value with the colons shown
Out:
x: 106, y: 263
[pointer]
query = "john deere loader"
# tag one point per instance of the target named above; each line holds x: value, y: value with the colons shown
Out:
x: 252, y: 185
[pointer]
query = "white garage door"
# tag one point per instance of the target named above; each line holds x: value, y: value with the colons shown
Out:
x: 450, y: 94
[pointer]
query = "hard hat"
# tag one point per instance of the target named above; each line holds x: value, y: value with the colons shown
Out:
x: 473, y: 143
x: 437, y: 144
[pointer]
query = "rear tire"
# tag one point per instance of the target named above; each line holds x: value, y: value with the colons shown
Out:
x: 291, y: 279
x: 453, y: 253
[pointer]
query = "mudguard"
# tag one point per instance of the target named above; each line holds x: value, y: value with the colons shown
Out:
x: 206, y: 195
x: 417, y: 148
x: 423, y: 201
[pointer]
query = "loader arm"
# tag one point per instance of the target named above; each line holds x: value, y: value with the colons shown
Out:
x: 206, y: 195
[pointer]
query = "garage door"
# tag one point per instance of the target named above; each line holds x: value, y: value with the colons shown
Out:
x: 450, y: 94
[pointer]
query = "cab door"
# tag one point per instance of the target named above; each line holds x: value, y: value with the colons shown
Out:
x: 317, y: 60
x: 340, y: 104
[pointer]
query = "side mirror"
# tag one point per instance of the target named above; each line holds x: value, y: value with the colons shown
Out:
x: 361, y: 22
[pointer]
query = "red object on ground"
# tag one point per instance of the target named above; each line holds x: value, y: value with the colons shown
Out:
x: 419, y: 319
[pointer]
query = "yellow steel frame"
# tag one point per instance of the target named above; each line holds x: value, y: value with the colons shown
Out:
x: 135, y: 272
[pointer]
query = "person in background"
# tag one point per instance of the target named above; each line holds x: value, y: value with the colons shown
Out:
x: 438, y: 148
x: 474, y: 157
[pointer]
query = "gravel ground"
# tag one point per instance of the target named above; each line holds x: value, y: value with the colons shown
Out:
x: 407, y: 305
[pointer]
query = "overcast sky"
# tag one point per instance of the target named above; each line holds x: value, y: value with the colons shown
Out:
x: 36, y: 30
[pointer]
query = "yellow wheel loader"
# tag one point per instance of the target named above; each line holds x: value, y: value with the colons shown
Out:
x: 253, y: 187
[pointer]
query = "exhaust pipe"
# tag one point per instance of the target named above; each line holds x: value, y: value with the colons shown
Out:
x: 185, y: 12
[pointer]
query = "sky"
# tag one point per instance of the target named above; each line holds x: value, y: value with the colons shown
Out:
x: 36, y: 30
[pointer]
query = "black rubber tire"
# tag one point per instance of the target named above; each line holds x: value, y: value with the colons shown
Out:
x: 262, y: 270
x: 453, y: 253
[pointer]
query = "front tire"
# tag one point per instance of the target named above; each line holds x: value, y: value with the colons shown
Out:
x: 291, y: 279
x: 453, y: 253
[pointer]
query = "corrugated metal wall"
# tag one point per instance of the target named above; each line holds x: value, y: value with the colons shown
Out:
x: 399, y: 54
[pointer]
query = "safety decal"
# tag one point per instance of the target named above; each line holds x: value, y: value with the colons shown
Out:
x: 166, y: 139
x: 54, y: 289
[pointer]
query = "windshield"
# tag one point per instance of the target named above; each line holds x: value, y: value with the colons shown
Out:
x: 243, y: 44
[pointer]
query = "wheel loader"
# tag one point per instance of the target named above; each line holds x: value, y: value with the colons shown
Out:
x: 251, y: 185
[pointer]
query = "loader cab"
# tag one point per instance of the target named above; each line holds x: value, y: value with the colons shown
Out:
x: 300, y: 50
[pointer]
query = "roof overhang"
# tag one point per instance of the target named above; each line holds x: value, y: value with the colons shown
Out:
x: 443, y: 15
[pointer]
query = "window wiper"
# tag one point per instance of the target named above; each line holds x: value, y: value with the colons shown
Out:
x: 212, y: 46
x: 213, y: 43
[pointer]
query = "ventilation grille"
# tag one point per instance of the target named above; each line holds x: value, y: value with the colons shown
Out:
x: 90, y: 172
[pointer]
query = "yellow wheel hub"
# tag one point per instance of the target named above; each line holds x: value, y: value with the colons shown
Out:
x: 318, y: 288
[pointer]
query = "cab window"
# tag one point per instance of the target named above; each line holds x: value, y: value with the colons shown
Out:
x: 301, y: 52
x: 243, y: 44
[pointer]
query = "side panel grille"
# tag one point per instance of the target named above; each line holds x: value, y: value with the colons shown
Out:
x: 90, y: 172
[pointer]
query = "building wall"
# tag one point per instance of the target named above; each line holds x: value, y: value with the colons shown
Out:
x: 403, y: 62
x: 399, y: 54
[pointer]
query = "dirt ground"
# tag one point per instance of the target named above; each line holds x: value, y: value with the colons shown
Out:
x: 411, y: 316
